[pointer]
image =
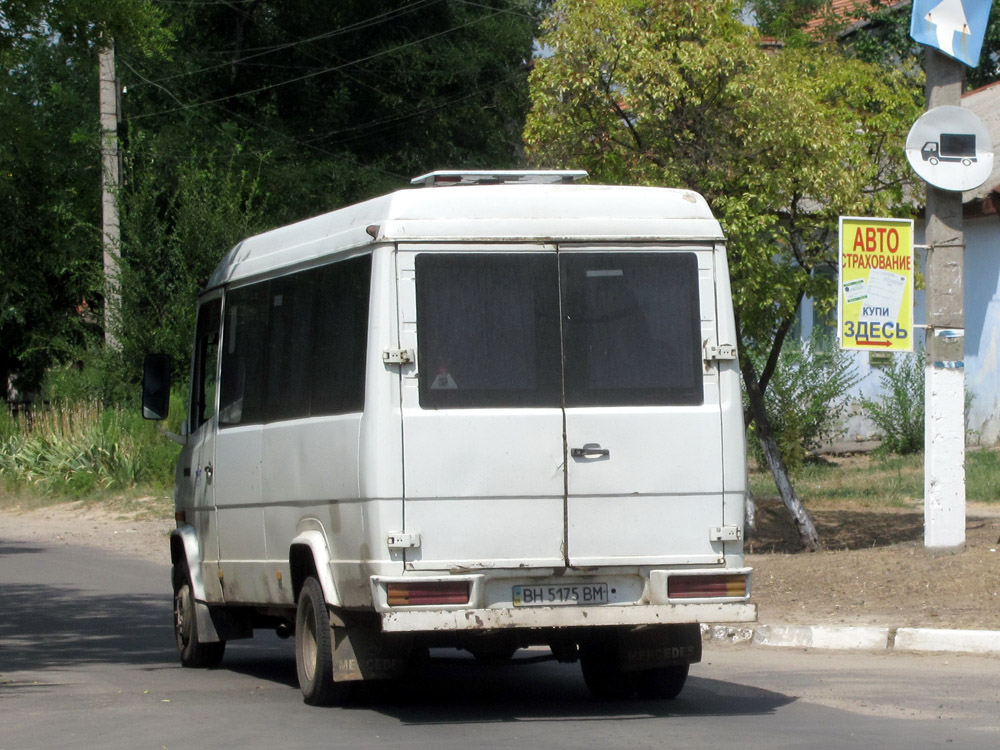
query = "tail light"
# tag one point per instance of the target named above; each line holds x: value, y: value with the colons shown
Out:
x: 707, y: 587
x: 420, y: 593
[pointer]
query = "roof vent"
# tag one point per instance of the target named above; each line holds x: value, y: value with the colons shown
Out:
x: 499, y: 177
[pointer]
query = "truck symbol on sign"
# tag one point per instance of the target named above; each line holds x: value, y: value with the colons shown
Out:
x: 953, y: 147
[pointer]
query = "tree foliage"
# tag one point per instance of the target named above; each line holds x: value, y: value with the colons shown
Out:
x: 50, y: 174
x: 236, y: 117
x: 876, y: 31
x: 683, y: 94
x: 660, y: 92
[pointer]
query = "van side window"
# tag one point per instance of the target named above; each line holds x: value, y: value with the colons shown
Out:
x: 244, y: 340
x: 291, y: 300
x: 295, y: 346
x: 632, y: 329
x: 488, y: 330
x: 340, y: 337
x: 206, y: 357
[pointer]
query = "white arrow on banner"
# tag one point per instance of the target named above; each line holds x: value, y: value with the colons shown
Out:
x: 949, y: 19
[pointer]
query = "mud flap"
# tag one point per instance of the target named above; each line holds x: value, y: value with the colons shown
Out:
x: 655, y: 646
x: 361, y: 653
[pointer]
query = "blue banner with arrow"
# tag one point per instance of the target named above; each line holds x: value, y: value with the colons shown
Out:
x: 955, y: 27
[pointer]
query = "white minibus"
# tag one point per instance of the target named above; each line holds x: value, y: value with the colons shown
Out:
x: 494, y: 411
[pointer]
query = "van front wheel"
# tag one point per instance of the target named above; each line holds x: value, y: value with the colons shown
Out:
x: 314, y: 649
x: 193, y: 652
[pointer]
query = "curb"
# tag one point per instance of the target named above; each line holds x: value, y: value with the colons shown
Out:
x: 859, y: 638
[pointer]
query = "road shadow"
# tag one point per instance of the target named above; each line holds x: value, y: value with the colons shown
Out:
x: 453, y: 692
x: 45, y: 627
x: 61, y: 624
x: 12, y: 548
x: 459, y: 690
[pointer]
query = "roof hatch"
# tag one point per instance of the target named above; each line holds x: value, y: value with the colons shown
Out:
x: 447, y: 177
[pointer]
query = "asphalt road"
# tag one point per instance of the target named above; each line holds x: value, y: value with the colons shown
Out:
x: 87, y: 661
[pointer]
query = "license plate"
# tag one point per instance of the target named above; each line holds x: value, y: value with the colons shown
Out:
x: 549, y: 595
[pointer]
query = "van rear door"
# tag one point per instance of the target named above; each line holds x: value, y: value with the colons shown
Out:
x: 561, y: 414
x: 643, y: 414
x: 483, y: 459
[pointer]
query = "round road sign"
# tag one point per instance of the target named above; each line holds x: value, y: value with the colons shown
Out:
x: 950, y: 148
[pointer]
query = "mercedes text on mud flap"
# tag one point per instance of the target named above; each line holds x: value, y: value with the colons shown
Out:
x: 498, y: 414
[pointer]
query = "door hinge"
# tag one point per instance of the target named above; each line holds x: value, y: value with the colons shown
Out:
x: 725, y: 534
x: 720, y: 351
x: 402, y: 540
x: 397, y: 356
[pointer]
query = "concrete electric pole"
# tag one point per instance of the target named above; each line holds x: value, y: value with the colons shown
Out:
x: 944, y: 390
x: 111, y: 171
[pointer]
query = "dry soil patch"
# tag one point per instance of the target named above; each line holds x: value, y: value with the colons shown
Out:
x: 875, y: 570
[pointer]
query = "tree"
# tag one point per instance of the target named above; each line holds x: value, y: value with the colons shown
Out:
x: 50, y: 178
x: 335, y: 102
x: 873, y: 30
x: 784, y: 19
x: 238, y: 116
x: 682, y: 94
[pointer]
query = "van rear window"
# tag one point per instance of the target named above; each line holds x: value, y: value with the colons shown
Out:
x: 489, y: 332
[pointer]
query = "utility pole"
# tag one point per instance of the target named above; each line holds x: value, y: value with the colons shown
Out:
x: 111, y: 182
x: 944, y: 389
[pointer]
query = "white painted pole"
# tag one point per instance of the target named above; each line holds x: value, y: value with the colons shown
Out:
x: 110, y: 184
x: 944, y: 390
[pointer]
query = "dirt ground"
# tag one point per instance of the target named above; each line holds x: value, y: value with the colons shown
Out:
x: 874, y: 570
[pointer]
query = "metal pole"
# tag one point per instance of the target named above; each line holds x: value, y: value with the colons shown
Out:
x: 944, y: 389
x: 111, y: 182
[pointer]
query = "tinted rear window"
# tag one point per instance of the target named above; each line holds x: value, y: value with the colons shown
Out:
x: 489, y: 332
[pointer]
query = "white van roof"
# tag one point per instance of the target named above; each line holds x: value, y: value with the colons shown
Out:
x: 482, y: 214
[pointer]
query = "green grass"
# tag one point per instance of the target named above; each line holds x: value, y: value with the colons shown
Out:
x: 873, y: 481
x: 85, y: 452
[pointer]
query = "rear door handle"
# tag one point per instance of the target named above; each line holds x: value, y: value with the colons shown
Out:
x: 590, y: 450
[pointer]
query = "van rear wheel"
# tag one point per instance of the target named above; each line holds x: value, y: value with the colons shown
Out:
x: 603, y: 673
x: 314, y: 649
x: 664, y: 683
x: 193, y: 652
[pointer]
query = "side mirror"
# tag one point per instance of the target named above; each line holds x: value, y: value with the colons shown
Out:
x: 156, y: 386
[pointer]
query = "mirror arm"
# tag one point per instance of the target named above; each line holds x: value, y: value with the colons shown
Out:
x: 174, y: 437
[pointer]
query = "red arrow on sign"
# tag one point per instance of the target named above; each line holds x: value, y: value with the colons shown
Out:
x: 875, y: 343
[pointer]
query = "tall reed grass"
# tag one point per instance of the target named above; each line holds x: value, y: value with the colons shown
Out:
x: 82, y: 448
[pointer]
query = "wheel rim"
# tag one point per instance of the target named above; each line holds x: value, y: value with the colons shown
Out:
x: 182, y: 617
x: 309, y: 645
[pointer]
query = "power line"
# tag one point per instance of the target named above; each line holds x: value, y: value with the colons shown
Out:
x: 286, y: 136
x: 324, y: 71
x: 263, y: 51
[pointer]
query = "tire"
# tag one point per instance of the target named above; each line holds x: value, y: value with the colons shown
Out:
x: 192, y: 651
x: 664, y: 683
x: 603, y: 674
x: 314, y: 649
x: 934, y: 161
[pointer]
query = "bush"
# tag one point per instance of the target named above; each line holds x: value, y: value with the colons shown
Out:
x: 94, y: 375
x: 806, y: 399
x: 83, y: 448
x: 899, y: 412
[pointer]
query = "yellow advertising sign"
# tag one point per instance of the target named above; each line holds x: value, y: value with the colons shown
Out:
x: 875, y: 297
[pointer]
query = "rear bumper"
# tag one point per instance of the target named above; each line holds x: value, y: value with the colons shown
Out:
x: 426, y: 620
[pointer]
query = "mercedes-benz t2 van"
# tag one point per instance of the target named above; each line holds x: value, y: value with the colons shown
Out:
x: 494, y: 411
